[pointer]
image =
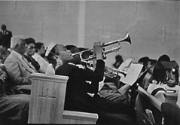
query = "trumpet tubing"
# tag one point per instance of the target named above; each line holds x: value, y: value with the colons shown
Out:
x: 79, y: 53
x: 112, y: 50
x: 106, y: 52
x: 125, y: 39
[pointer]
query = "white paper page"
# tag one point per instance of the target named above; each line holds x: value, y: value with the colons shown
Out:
x: 125, y: 65
x: 132, y: 74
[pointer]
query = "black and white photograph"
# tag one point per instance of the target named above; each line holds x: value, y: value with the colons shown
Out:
x: 96, y: 62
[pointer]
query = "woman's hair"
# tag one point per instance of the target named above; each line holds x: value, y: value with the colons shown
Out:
x: 38, y: 46
x: 176, y: 67
x: 72, y: 48
x: 159, y: 72
x: 30, y: 40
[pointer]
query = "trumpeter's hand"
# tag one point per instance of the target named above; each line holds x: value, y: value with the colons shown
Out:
x: 98, y: 50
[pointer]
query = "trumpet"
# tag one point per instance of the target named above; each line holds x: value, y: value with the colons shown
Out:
x: 125, y: 39
x: 112, y: 73
x: 89, y: 53
x: 106, y: 52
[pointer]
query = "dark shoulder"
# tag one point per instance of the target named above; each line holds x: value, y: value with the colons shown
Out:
x: 9, y: 33
x: 65, y: 69
x: 171, y: 111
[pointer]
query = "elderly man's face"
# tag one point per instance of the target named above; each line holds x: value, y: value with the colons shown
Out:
x: 63, y: 53
x: 22, y: 47
x: 66, y: 55
x: 59, y: 48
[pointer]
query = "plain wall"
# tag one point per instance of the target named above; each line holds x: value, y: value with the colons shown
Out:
x: 153, y: 25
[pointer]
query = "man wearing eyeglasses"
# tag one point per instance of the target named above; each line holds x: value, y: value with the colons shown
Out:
x: 18, y: 67
x: 30, y: 50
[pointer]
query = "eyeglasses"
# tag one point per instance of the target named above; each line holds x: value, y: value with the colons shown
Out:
x: 31, y: 47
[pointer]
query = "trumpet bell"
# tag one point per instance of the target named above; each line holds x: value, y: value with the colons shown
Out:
x: 128, y: 39
x: 87, y: 55
x: 125, y: 39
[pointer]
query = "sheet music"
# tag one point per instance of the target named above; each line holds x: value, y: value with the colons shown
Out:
x: 125, y: 65
x: 132, y: 74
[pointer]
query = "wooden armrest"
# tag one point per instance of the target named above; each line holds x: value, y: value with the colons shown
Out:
x: 80, y: 115
x: 48, y: 77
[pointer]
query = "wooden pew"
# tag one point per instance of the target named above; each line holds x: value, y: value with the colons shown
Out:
x: 47, y: 102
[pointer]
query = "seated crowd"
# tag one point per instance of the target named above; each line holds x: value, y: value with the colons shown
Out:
x: 114, y: 101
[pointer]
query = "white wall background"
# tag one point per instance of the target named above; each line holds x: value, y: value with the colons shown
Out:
x: 154, y: 26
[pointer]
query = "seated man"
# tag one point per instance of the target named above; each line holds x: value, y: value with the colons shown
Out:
x: 83, y: 81
x: 18, y: 67
x: 13, y: 108
x: 30, y: 50
x: 77, y: 88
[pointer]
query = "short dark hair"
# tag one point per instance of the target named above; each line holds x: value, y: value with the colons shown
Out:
x: 30, y: 40
x: 3, y: 26
x: 38, y: 45
x: 164, y: 58
x: 119, y: 58
x: 144, y: 61
x: 72, y: 48
x: 152, y: 61
x: 69, y: 47
x: 172, y: 65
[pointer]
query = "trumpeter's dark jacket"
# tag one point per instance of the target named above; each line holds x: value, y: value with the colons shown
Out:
x: 79, y: 83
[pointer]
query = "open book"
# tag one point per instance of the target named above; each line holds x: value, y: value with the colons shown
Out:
x: 132, y: 74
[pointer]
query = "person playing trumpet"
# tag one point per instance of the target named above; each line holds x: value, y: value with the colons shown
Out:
x: 77, y: 86
x: 83, y: 81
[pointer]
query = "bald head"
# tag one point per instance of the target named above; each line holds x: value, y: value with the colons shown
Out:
x: 62, y: 52
x: 59, y: 48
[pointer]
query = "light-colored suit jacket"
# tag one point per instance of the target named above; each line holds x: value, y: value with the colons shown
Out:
x: 18, y: 68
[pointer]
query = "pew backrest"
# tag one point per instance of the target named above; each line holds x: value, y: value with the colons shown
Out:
x: 47, y: 102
